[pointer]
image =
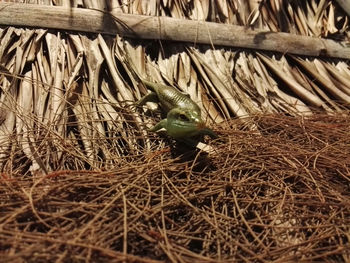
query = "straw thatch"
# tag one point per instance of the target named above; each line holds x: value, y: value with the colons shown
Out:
x: 82, y: 179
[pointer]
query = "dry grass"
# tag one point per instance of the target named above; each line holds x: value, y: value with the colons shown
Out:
x: 281, y: 194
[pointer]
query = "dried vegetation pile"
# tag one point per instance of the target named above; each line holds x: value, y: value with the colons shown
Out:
x: 279, y: 194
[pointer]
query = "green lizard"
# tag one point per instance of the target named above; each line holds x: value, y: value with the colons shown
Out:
x: 183, y: 114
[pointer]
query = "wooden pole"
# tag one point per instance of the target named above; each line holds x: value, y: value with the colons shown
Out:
x: 345, y: 4
x: 165, y: 28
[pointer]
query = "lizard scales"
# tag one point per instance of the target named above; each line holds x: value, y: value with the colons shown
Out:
x: 183, y: 114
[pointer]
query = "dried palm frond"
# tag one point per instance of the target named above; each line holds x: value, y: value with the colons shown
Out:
x: 82, y: 90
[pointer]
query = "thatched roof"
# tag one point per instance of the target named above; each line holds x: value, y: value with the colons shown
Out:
x: 82, y: 179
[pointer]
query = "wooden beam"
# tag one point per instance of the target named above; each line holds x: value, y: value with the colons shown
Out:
x: 166, y: 28
x: 345, y: 4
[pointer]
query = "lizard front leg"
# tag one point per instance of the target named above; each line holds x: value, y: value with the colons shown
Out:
x: 160, y: 125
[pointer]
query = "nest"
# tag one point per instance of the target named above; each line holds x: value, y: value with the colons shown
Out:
x: 277, y: 192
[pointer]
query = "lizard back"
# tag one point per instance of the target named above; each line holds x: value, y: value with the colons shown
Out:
x: 170, y: 98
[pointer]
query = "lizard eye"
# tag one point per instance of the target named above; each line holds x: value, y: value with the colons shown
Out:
x: 183, y: 117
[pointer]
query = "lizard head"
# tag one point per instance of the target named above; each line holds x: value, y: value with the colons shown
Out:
x: 184, y: 123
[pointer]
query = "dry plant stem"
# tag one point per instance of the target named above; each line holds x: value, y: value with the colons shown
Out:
x: 125, y: 225
x: 280, y: 195
x: 114, y: 254
x: 164, y: 28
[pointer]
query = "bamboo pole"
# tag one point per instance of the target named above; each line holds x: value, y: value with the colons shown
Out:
x: 165, y: 28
